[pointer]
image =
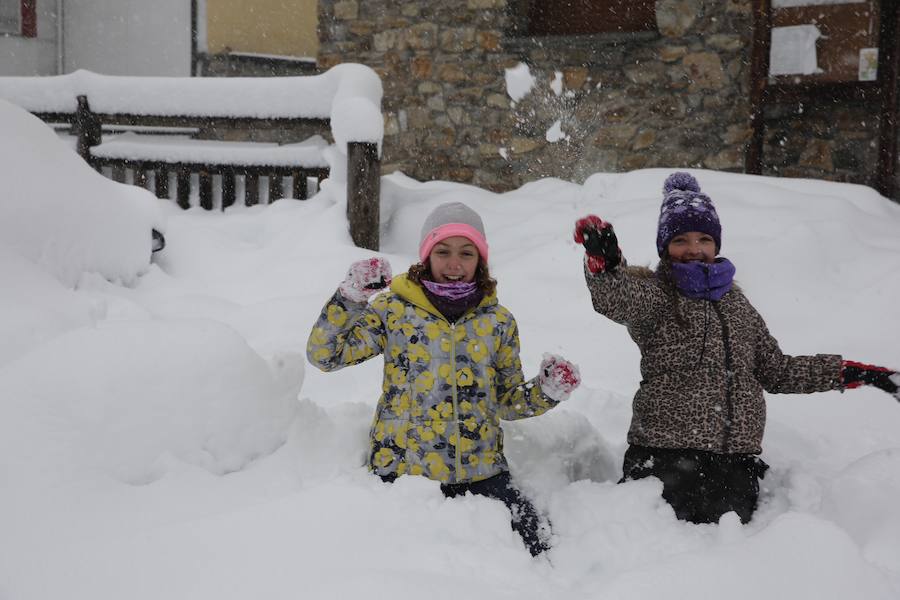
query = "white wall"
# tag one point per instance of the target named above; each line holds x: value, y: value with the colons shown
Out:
x: 128, y: 37
x: 32, y: 56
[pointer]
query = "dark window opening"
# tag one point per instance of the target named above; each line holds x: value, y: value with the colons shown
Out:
x: 585, y: 17
x: 18, y: 17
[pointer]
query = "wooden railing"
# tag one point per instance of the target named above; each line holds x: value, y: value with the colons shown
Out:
x: 216, y: 181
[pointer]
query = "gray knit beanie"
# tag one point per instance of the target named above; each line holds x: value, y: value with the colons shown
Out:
x: 449, y: 220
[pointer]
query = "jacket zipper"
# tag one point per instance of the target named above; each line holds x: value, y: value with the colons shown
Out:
x: 705, y: 320
x: 729, y: 378
x: 455, y: 400
x: 458, y: 460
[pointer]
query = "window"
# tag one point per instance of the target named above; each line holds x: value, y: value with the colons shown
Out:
x: 18, y: 17
x: 585, y: 17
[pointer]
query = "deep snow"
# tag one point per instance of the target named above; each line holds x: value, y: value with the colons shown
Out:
x: 161, y: 436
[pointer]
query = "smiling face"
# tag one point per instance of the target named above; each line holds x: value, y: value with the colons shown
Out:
x: 454, y: 259
x: 692, y: 246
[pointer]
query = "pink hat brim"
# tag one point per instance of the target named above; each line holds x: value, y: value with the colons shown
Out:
x: 448, y: 230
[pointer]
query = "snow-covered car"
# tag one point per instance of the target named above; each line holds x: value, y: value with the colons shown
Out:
x: 58, y: 212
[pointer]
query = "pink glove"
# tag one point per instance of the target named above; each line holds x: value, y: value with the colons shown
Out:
x: 558, y: 377
x: 365, y: 278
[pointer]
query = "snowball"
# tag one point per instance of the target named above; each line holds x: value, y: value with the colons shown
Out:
x: 519, y: 81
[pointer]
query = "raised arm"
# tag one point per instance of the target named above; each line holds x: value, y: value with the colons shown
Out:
x: 349, y: 331
x: 627, y: 295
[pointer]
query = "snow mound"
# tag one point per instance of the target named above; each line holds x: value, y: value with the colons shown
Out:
x: 863, y: 500
x: 36, y: 308
x: 123, y: 400
x: 797, y: 556
x: 59, y: 213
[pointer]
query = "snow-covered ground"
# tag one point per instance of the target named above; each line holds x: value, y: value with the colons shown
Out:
x: 162, y: 437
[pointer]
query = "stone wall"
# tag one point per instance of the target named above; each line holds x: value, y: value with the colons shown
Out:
x: 226, y: 64
x: 678, y: 97
x: 838, y: 142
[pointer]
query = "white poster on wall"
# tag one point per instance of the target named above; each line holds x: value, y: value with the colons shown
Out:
x: 793, y: 50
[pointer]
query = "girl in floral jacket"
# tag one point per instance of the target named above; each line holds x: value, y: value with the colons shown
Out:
x: 706, y: 357
x: 451, y: 364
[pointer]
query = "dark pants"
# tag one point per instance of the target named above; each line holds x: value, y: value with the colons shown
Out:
x: 700, y: 486
x: 525, y: 519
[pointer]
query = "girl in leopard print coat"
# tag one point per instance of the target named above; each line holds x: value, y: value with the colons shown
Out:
x: 451, y: 365
x: 706, y: 357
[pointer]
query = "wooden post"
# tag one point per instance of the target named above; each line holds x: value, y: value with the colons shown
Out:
x: 251, y: 190
x: 759, y: 76
x: 888, y: 76
x: 205, y: 191
x: 228, y: 188
x: 363, y: 193
x: 299, y: 185
x: 276, y: 187
x: 140, y: 175
x: 118, y: 172
x: 183, y: 187
x: 87, y: 127
x: 162, y: 183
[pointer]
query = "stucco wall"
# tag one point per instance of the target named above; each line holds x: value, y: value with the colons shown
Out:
x: 128, y: 37
x: 279, y: 27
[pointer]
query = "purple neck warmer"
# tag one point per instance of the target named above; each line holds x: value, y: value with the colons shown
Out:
x: 451, y: 291
x: 453, y: 300
x: 702, y: 281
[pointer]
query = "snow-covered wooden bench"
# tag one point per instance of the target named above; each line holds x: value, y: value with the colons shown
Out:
x: 212, y: 169
x: 187, y: 137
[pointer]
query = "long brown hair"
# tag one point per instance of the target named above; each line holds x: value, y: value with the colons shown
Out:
x: 483, y: 278
x: 664, y: 273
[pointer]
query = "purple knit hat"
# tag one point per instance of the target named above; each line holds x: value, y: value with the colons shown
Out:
x: 685, y: 208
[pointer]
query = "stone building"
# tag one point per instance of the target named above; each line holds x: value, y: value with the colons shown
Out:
x: 648, y: 84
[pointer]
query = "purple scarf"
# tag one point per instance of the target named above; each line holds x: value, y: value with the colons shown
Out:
x: 451, y: 291
x: 702, y: 281
x: 453, y: 300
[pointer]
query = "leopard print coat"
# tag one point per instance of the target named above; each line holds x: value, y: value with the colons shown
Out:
x: 446, y: 385
x: 702, y: 382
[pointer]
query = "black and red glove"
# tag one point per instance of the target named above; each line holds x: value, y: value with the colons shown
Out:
x: 600, y: 244
x: 855, y: 374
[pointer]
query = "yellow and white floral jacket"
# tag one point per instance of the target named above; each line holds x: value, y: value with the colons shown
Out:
x: 446, y: 385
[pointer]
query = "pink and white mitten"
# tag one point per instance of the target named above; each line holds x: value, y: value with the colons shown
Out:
x: 558, y: 377
x: 365, y: 278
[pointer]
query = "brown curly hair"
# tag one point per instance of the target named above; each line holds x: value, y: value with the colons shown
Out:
x: 483, y: 278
